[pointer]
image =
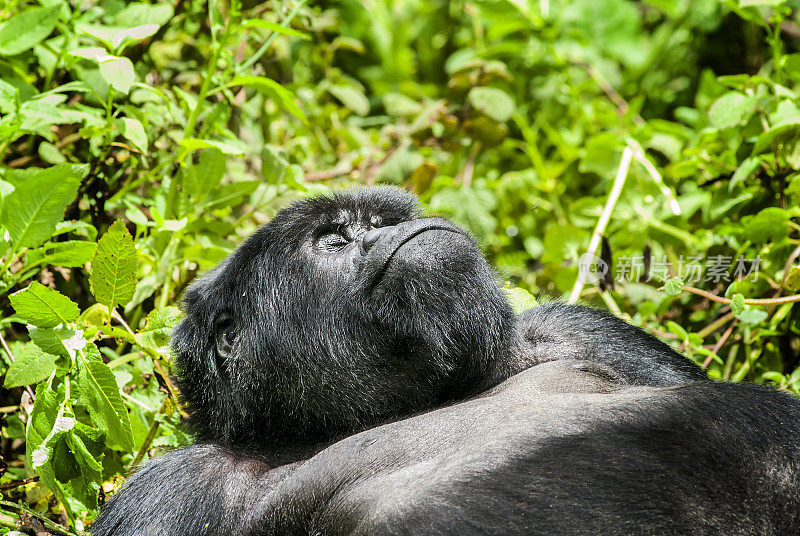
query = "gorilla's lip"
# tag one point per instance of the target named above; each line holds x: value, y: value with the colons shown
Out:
x: 378, y: 277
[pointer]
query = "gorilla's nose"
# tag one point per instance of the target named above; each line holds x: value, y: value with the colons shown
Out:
x: 370, y: 238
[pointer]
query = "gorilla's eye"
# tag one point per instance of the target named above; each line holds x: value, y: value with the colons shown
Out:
x: 332, y: 241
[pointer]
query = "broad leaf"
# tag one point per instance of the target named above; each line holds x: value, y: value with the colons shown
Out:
x: 100, y: 395
x: 27, y: 29
x: 43, y: 306
x: 68, y: 254
x: 38, y: 201
x: 31, y: 366
x: 133, y: 130
x: 113, y: 278
x: 159, y: 326
x: 117, y: 72
x: 495, y: 103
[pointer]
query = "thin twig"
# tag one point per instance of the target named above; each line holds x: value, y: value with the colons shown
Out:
x: 719, y: 344
x: 613, y: 197
x: 639, y: 156
x: 48, y: 524
x: 17, y: 483
x: 469, y: 167
x: 715, y: 325
x: 748, y: 301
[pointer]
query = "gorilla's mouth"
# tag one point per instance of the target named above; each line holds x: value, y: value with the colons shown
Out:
x: 379, y: 274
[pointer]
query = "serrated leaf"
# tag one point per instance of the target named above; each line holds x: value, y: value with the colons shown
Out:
x: 27, y: 29
x: 58, y: 341
x: 43, y: 306
x: 37, y: 204
x: 113, y: 279
x: 737, y: 304
x: 117, y: 72
x: 31, y: 366
x: 100, y: 395
x: 156, y: 332
x: 673, y: 286
x: 67, y: 254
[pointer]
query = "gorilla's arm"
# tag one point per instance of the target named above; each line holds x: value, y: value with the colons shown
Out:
x: 200, y: 490
x: 556, y: 331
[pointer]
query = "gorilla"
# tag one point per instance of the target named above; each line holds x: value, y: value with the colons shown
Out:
x: 353, y: 368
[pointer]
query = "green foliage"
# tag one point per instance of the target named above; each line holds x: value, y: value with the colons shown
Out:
x: 170, y: 133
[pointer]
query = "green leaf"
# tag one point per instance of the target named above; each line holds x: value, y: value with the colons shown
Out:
x: 352, y: 97
x: 100, y: 395
x: 730, y: 110
x: 43, y: 306
x: 57, y: 341
x: 771, y: 3
x: 117, y: 72
x: 156, y: 332
x: 133, y: 130
x: 744, y: 171
x: 113, y: 278
x: 68, y: 254
x: 206, y: 175
x: 274, y: 27
x: 777, y: 134
x: 287, y: 98
x: 31, y: 366
x: 38, y: 201
x: 226, y: 148
x: 520, y: 299
x: 493, y: 102
x: 752, y: 316
x: 673, y: 286
x: 737, y: 303
x: 771, y: 224
x: 138, y: 13
x: 27, y: 29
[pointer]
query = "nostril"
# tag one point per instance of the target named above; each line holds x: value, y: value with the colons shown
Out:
x: 369, y: 239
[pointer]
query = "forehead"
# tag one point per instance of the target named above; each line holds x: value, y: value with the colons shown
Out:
x: 366, y: 206
x: 359, y: 205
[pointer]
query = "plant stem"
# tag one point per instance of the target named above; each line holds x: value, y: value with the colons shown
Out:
x: 613, y: 197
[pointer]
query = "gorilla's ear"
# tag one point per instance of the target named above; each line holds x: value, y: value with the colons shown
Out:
x: 224, y: 336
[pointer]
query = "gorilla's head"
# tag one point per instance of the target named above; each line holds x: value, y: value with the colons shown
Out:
x: 342, y: 312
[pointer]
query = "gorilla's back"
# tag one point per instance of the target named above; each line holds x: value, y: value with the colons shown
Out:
x: 533, y: 459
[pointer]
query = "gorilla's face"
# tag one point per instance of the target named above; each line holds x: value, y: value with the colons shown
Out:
x: 340, y: 313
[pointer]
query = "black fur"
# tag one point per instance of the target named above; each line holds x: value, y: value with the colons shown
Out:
x: 574, y: 422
